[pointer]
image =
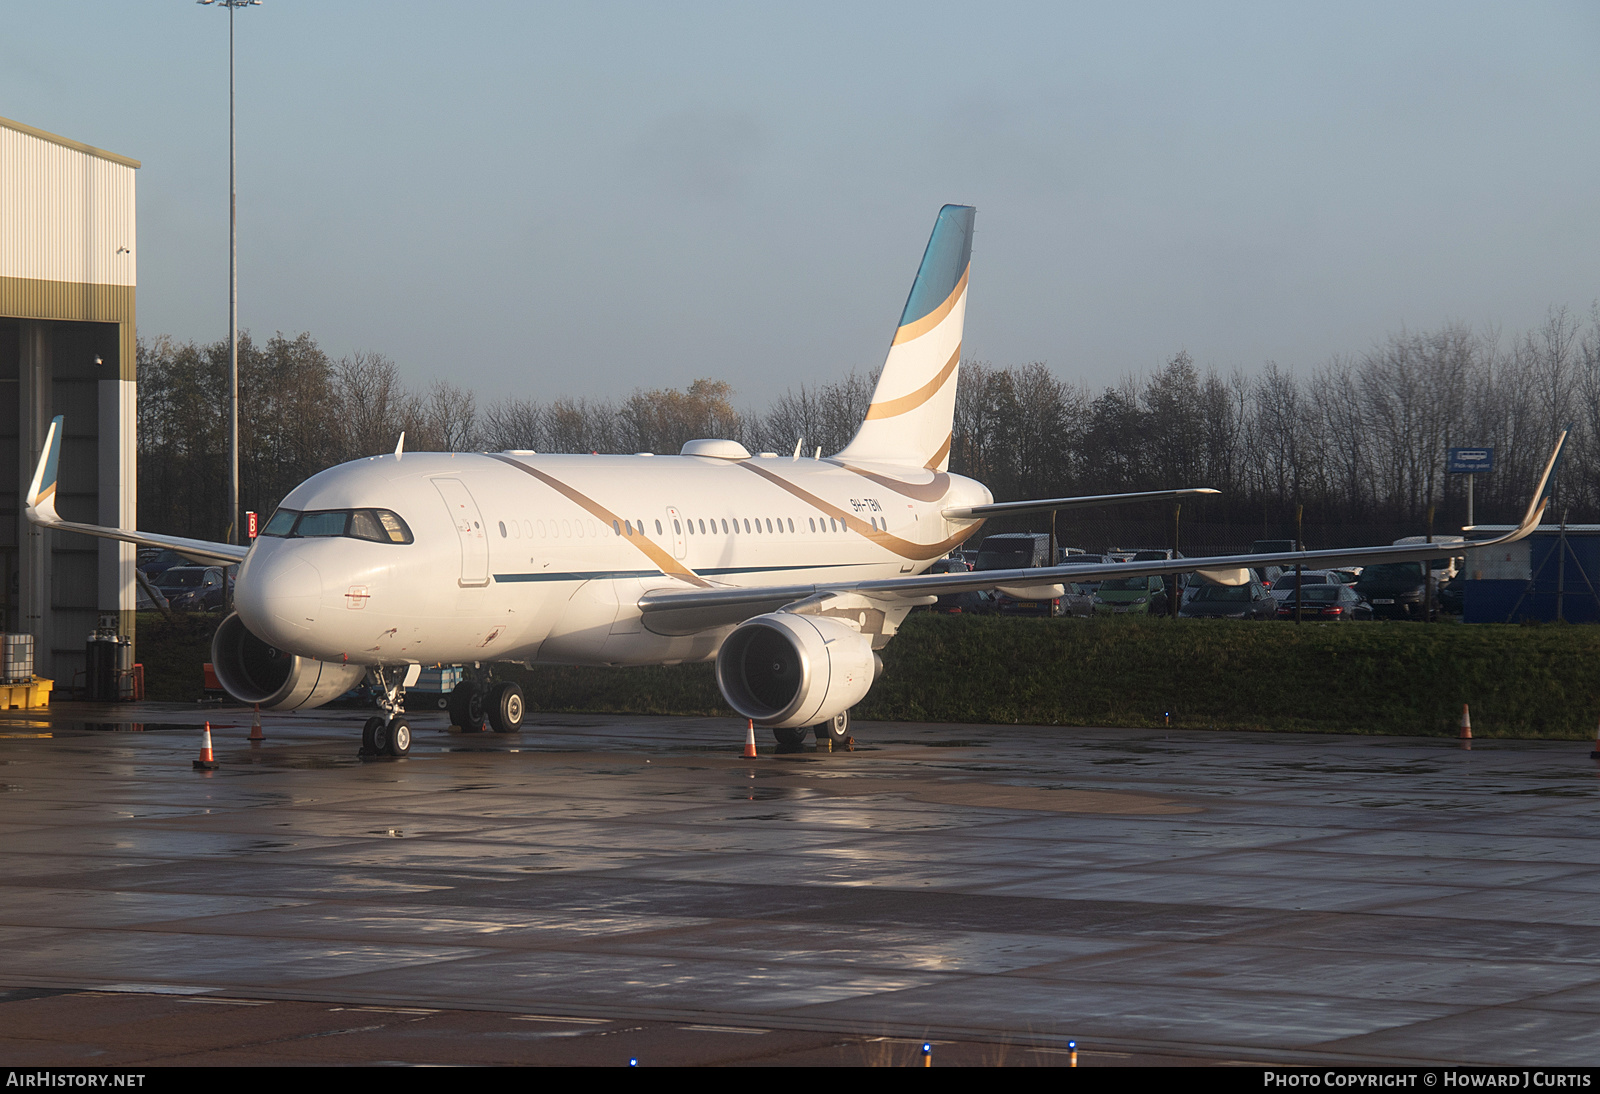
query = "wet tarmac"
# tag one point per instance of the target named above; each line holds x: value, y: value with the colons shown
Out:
x: 599, y: 887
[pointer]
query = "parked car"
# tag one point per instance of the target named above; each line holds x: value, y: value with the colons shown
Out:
x: 1075, y: 600
x: 1131, y: 595
x: 1452, y: 595
x: 196, y: 588
x: 1013, y: 551
x: 1332, y: 603
x: 1284, y: 587
x: 154, y: 561
x: 1269, y: 574
x: 959, y: 603
x: 1248, y: 601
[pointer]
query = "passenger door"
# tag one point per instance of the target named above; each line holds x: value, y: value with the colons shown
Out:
x: 469, y: 530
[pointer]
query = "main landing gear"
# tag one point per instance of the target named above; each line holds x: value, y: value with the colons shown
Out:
x: 834, y: 733
x: 476, y: 701
x: 389, y: 734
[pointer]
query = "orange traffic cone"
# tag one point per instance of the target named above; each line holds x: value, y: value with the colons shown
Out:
x: 1466, y: 723
x: 750, y: 741
x: 1595, y: 755
x: 255, y: 726
x: 206, y: 762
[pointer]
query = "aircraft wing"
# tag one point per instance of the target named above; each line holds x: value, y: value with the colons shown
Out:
x: 41, y: 509
x: 724, y: 606
x: 1045, y: 505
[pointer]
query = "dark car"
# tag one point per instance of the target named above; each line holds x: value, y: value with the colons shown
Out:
x: 1269, y: 574
x: 1327, y: 603
x: 196, y: 588
x: 1014, y: 551
x: 1075, y: 600
x: 1248, y: 601
x: 958, y: 603
x: 1394, y: 589
x: 1452, y: 595
x: 154, y: 561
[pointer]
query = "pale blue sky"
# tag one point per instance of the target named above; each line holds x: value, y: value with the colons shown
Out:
x: 584, y: 199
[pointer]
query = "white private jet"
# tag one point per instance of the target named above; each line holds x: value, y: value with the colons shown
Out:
x: 790, y: 572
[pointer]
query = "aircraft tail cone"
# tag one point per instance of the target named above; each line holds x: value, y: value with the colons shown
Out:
x: 750, y: 741
x: 255, y: 726
x: 206, y: 762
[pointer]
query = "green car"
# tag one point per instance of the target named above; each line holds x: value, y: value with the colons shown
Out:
x: 1131, y: 595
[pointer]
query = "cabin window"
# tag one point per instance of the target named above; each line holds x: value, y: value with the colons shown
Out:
x: 812, y: 521
x: 502, y: 529
x: 702, y: 527
x: 676, y: 528
x: 616, y: 526
x: 791, y: 526
x: 769, y: 524
x: 659, y: 532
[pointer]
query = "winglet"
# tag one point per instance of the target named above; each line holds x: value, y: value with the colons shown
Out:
x: 41, y: 501
x: 400, y: 445
x: 1541, y: 493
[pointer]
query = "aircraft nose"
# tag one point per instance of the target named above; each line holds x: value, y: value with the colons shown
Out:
x: 279, y: 597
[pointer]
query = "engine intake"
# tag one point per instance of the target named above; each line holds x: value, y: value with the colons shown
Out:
x: 785, y: 670
x: 254, y: 672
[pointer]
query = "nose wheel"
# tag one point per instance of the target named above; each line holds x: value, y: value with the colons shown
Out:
x: 386, y: 737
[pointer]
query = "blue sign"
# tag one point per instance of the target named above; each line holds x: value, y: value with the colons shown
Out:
x: 1470, y: 461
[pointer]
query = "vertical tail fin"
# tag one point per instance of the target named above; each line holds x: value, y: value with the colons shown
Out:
x: 914, y: 404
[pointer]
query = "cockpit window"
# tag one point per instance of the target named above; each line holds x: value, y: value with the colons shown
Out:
x: 280, y: 524
x: 330, y: 522
x: 376, y: 525
x: 379, y: 525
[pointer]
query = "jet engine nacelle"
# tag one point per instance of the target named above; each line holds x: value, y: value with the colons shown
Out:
x: 254, y: 672
x: 785, y: 670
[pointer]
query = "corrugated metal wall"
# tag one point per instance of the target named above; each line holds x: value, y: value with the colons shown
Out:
x: 65, y: 215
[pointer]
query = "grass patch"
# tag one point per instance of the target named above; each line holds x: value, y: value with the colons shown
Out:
x: 1397, y: 678
x: 173, y: 653
x: 1390, y: 678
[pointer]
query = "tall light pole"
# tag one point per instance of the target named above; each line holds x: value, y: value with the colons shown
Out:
x: 233, y: 283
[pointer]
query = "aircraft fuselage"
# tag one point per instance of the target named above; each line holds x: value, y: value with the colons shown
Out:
x: 524, y: 557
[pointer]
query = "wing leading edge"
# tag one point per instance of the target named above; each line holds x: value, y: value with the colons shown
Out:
x: 724, y: 606
x: 41, y: 510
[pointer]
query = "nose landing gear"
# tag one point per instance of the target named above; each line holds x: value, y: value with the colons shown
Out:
x: 386, y: 736
x: 390, y: 734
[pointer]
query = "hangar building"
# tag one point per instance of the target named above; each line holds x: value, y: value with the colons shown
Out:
x: 67, y: 266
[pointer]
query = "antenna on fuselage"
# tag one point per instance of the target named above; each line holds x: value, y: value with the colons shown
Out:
x: 798, y: 441
x: 400, y: 445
